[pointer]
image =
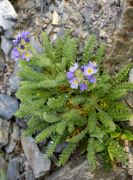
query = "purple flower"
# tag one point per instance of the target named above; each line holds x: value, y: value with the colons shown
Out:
x: 90, y: 69
x: 26, y: 55
x: 17, y: 41
x: 74, y: 67
x: 25, y: 35
x: 15, y: 54
x: 91, y: 79
x: 70, y: 75
x: 74, y: 83
x: 83, y: 87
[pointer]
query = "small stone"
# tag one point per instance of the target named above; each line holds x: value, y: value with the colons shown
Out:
x: 49, y: 29
x: 57, y: 29
x: 38, y: 3
x: 49, y: 15
x: 5, y: 45
x: 36, y: 44
x: 28, y: 5
x: 15, y: 165
x: 51, y: 7
x: 14, y: 83
x: 46, y: 21
x: 8, y: 106
x: 4, y: 132
x: 60, y: 147
x: 129, y: 100
x: 131, y: 76
x: 61, y: 32
x: 103, y: 34
x: 3, y: 164
x: 55, y: 20
x: 39, y: 164
x: 14, y: 138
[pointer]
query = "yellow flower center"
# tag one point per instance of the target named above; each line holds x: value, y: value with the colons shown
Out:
x: 90, y: 71
x: 27, y: 54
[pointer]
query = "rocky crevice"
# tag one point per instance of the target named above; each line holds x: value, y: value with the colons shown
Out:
x: 110, y: 20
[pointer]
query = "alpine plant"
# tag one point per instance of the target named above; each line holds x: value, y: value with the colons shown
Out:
x: 73, y: 102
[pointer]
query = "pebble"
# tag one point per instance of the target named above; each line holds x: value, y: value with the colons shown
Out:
x: 131, y: 76
x: 55, y: 20
x: 8, y: 106
x: 15, y: 167
x: 14, y: 138
x: 4, y: 132
x: 14, y: 82
x: 6, y: 45
x: 49, y: 29
x: 3, y: 164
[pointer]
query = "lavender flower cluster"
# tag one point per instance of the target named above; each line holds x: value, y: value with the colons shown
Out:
x: 20, y: 46
x: 81, y: 77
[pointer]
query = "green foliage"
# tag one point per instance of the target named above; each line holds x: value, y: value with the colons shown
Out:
x: 59, y: 113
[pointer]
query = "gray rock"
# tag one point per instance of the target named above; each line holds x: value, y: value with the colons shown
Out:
x: 5, y: 45
x: 79, y: 170
x: 2, y: 60
x: 3, y: 164
x: 60, y: 147
x: 4, y: 132
x: 39, y: 164
x: 49, y: 29
x: 8, y: 33
x: 28, y: 4
x: 14, y: 83
x: 14, y: 138
x: 7, y: 14
x: 8, y: 106
x: 38, y: 3
x: 36, y: 44
x: 131, y: 76
x: 15, y: 165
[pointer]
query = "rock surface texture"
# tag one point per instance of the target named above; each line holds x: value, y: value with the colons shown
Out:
x: 122, y: 48
x: 8, y: 106
x: 39, y: 164
x: 79, y: 170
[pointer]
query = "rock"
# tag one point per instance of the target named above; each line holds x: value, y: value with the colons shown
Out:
x: 5, y: 45
x: 49, y: 29
x: 130, y: 164
x: 131, y: 76
x: 36, y: 44
x: 4, y: 132
x: 60, y: 147
x: 15, y: 167
x: 28, y: 4
x: 129, y: 100
x: 14, y: 138
x: 38, y: 3
x: 14, y: 82
x: 8, y: 34
x: 79, y: 170
x: 3, y: 164
x: 49, y: 15
x: 7, y: 15
x: 8, y: 106
x: 39, y: 164
x: 55, y: 20
x: 2, y: 60
x: 61, y: 32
